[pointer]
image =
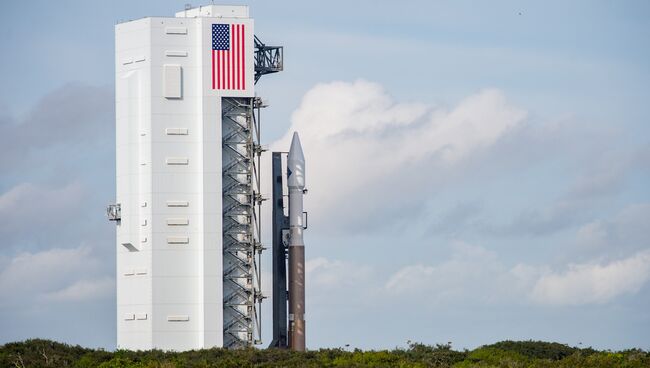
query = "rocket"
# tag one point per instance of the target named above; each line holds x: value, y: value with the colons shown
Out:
x: 296, y: 184
x: 289, y: 251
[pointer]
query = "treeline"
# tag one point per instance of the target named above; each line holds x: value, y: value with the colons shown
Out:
x: 511, y: 354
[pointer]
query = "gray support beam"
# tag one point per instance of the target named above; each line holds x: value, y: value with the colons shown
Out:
x: 280, y: 222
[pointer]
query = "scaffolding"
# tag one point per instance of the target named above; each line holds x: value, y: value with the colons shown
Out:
x: 241, y: 224
x: 268, y: 59
x: 242, y: 201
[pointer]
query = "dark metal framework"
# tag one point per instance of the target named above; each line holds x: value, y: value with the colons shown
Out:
x: 241, y: 209
x: 268, y: 59
x: 279, y: 250
x: 241, y: 224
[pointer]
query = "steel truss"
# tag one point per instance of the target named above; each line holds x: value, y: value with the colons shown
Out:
x: 268, y: 59
x: 241, y: 223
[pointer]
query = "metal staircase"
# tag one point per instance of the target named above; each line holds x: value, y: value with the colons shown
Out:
x: 242, y: 201
x: 241, y: 226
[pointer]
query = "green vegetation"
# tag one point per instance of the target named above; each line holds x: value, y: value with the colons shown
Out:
x: 506, y: 354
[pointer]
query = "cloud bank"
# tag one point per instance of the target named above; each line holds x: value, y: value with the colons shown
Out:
x: 374, y: 161
x: 56, y: 274
x: 382, y: 155
x: 57, y: 262
x: 593, y: 282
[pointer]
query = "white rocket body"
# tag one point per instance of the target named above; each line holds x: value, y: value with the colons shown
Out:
x: 296, y: 184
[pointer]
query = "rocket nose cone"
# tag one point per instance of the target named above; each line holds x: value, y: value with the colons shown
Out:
x: 295, y: 152
x: 296, y: 164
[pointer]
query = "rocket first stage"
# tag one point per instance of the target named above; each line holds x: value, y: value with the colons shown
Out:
x: 296, y: 184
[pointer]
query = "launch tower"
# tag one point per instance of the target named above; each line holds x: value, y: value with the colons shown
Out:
x: 188, y: 186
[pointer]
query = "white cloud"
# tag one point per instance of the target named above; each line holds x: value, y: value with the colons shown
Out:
x: 364, y: 148
x: 585, y: 194
x: 608, y: 171
x: 84, y: 290
x: 471, y: 273
x: 340, y: 283
x: 54, y: 273
x: 54, y: 127
x: 410, y: 278
x: 593, y: 234
x: 632, y: 224
x: 26, y: 207
x: 593, y: 282
x: 13, y: 201
x: 323, y: 273
x: 475, y: 273
x: 628, y: 230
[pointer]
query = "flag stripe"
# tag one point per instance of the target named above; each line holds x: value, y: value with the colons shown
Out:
x: 243, y: 57
x: 238, y: 58
x: 213, y: 69
x: 235, y: 49
x: 230, y: 54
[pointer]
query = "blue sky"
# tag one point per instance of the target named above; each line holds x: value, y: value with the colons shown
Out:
x: 477, y: 172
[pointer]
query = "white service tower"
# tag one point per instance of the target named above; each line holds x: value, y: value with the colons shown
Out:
x: 187, y: 198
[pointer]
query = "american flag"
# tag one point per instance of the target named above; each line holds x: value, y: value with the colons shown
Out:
x: 228, y: 57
